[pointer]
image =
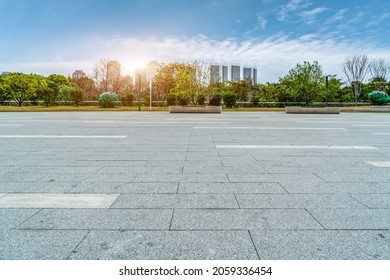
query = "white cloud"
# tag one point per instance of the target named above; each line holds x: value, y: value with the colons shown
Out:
x: 262, y: 21
x: 273, y: 56
x: 309, y: 16
x: 292, y: 6
x: 338, y: 16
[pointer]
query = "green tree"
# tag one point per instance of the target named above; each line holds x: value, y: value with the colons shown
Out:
x: 305, y: 82
x: 164, y: 80
x: 241, y: 88
x: 76, y: 95
x: 48, y: 93
x: 57, y: 84
x: 266, y: 93
x: 21, y: 87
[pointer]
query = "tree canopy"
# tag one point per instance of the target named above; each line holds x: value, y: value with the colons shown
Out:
x: 305, y: 82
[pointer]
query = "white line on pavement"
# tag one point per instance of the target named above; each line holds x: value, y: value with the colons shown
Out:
x: 267, y: 128
x: 63, y: 136
x: 57, y: 200
x: 295, y: 147
x: 379, y: 163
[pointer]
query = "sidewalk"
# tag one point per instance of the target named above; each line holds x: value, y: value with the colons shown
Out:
x: 237, y: 185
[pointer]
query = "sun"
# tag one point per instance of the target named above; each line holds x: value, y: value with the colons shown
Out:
x: 131, y: 64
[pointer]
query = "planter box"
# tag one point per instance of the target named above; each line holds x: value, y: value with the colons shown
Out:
x: 303, y: 110
x: 195, y: 109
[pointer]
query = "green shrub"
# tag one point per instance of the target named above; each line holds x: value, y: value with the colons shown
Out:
x: 108, y: 99
x: 215, y: 100
x: 127, y: 99
x: 77, y: 95
x: 201, y: 100
x: 183, y: 98
x: 229, y: 99
x: 171, y: 99
x: 146, y: 99
x: 379, y: 97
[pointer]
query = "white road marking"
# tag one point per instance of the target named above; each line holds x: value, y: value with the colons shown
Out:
x: 267, y: 128
x: 379, y: 163
x: 295, y: 147
x: 57, y: 200
x: 63, y: 136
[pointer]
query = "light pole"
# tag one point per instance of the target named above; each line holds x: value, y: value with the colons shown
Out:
x: 150, y: 89
x: 327, y: 89
x: 139, y: 92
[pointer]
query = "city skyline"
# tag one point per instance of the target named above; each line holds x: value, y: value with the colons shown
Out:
x: 57, y: 36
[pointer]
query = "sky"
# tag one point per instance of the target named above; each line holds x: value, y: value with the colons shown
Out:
x: 60, y: 36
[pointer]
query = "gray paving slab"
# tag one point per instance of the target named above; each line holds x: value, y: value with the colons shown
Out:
x: 175, y: 201
x: 137, y: 219
x: 189, y: 178
x: 374, y: 200
x: 262, y: 178
x: 170, y: 161
x: 13, y: 187
x: 309, y: 187
x: 352, y: 218
x: 224, y: 169
x: 123, y: 188
x: 141, y: 170
x: 355, y: 178
x: 297, y: 201
x: 62, y: 170
x: 11, y: 218
x: 183, y: 163
x: 166, y: 245
x: 243, y: 219
x: 106, y: 162
x: 322, y: 245
x: 20, y: 177
x: 230, y: 188
x: 39, y: 244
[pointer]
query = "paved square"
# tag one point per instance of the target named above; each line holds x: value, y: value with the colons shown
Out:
x: 142, y: 185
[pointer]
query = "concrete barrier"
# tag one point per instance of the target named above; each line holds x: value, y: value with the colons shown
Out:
x: 195, y: 109
x: 303, y: 110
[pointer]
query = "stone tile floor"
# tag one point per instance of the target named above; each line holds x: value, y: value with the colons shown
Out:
x: 184, y: 186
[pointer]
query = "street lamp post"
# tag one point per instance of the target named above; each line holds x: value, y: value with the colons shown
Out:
x: 327, y: 89
x: 139, y: 92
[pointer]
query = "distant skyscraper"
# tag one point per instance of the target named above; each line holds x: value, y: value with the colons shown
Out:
x: 78, y: 74
x: 225, y: 73
x: 113, y: 71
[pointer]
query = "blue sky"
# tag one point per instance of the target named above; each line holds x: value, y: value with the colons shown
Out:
x: 59, y: 36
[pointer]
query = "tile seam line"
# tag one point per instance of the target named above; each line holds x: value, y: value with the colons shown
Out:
x: 324, y: 228
x: 254, y: 245
x: 78, y: 244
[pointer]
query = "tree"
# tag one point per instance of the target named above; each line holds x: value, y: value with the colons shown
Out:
x: 266, y: 93
x: 164, y: 80
x: 355, y: 69
x: 241, y: 88
x: 379, y: 69
x: 88, y: 86
x: 21, y: 87
x: 77, y: 95
x: 304, y: 82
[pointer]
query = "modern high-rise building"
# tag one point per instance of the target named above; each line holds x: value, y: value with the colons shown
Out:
x: 229, y: 73
x: 113, y: 71
x: 78, y: 74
